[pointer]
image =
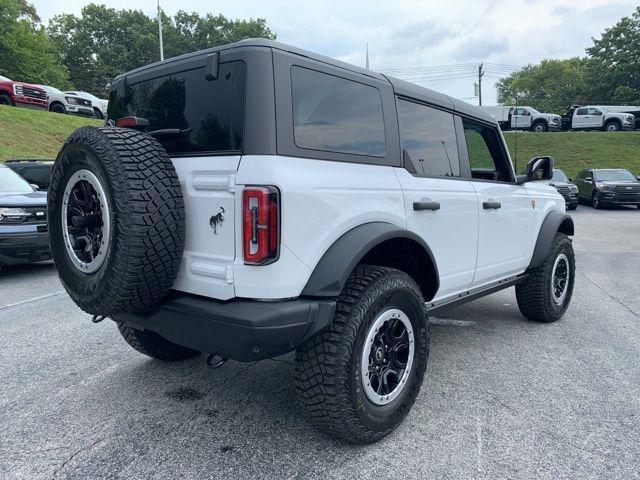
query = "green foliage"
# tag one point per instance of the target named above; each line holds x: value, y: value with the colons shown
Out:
x: 25, y: 51
x: 103, y: 42
x: 614, y: 66
x: 609, y: 74
x: 550, y: 86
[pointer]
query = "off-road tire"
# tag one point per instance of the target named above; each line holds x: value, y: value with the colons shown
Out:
x: 539, y: 127
x: 5, y: 100
x: 153, y: 345
x: 328, y: 378
x: 147, y: 224
x: 535, y: 299
x: 97, y: 114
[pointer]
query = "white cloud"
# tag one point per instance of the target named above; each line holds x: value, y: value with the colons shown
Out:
x: 414, y: 33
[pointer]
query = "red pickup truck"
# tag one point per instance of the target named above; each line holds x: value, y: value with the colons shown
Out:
x: 21, y: 94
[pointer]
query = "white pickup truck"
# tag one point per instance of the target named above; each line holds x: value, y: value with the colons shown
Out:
x: 524, y: 118
x: 592, y: 117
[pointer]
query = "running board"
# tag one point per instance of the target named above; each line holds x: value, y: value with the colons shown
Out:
x: 474, y: 294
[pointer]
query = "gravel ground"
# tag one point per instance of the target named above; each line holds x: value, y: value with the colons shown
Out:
x: 503, y: 397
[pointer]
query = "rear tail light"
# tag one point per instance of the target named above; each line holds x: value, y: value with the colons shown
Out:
x: 132, y: 122
x: 260, y: 224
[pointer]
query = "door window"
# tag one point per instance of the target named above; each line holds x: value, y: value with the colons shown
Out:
x: 487, y: 157
x: 522, y: 111
x: 593, y: 111
x: 428, y: 136
x: 582, y: 111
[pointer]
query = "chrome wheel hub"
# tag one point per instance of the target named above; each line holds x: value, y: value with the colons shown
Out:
x: 387, y: 356
x: 85, y: 221
x: 560, y: 276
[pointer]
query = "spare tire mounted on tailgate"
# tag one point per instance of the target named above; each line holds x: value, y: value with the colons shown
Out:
x: 116, y: 220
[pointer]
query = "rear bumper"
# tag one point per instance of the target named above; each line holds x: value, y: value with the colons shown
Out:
x: 243, y: 330
x: 19, y: 247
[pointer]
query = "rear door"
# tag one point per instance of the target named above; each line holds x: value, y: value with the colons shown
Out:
x: 202, y: 117
x: 581, y: 118
x: 440, y: 205
x: 504, y: 208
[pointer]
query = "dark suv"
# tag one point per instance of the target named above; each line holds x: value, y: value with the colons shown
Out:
x: 568, y: 190
x: 24, y: 235
x: 608, y: 186
x: 36, y: 172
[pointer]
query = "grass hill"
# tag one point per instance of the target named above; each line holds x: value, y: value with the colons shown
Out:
x: 574, y: 151
x: 26, y: 133
x: 33, y: 133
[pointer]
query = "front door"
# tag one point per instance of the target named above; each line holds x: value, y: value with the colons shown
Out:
x: 504, y: 208
x: 440, y: 205
x: 521, y: 118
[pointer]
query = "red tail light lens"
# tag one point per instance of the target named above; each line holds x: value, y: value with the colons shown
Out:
x: 260, y: 224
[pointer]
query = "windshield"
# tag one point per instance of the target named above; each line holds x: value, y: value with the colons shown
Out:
x: 620, y: 175
x: 533, y: 110
x: 11, y: 182
x: 604, y: 109
x: 4, y: 79
x: 49, y: 89
x: 559, y: 176
x: 85, y: 95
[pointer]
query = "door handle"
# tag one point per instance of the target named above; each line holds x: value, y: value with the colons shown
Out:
x: 426, y: 205
x: 491, y: 205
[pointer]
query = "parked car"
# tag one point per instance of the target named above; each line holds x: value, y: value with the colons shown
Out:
x: 568, y: 190
x: 23, y: 221
x: 99, y: 105
x: 290, y: 201
x: 597, y: 118
x: 21, y: 94
x: 35, y: 171
x: 608, y: 186
x: 524, y: 118
x: 61, y: 102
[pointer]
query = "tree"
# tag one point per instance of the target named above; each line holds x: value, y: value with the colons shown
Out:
x: 613, y: 69
x: 103, y: 42
x: 550, y: 86
x: 25, y: 51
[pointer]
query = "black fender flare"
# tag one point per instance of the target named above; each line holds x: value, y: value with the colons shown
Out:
x: 332, y: 271
x: 553, y: 223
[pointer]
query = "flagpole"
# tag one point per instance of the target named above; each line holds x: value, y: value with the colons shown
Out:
x: 160, y: 32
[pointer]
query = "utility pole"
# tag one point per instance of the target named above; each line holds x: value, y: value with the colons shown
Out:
x: 480, y: 75
x: 160, y: 31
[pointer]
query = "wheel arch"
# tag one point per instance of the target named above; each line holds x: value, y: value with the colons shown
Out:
x: 56, y: 102
x: 609, y: 121
x: 540, y: 120
x: 375, y: 243
x: 553, y: 223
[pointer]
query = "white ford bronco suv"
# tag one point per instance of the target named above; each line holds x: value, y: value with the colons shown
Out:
x: 256, y: 199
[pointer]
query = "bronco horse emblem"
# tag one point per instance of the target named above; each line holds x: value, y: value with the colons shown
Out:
x: 216, y: 220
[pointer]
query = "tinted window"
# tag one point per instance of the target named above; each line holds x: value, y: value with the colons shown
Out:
x: 487, y: 157
x: 428, y: 140
x: 615, y: 175
x: 336, y: 115
x: 581, y: 111
x: 209, y: 113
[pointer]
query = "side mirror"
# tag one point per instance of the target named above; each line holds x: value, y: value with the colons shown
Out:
x: 540, y: 168
x: 638, y: 177
x: 34, y: 186
x: 588, y: 179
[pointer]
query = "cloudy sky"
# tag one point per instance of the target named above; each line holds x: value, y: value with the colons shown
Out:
x: 438, y: 44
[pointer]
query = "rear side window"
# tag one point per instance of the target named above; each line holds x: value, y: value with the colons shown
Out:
x: 429, y: 145
x: 581, y: 111
x: 336, y: 115
x: 208, y: 113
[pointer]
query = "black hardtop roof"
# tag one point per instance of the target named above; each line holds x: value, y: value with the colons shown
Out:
x: 401, y: 87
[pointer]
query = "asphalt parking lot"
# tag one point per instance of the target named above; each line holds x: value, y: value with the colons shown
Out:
x: 503, y: 397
